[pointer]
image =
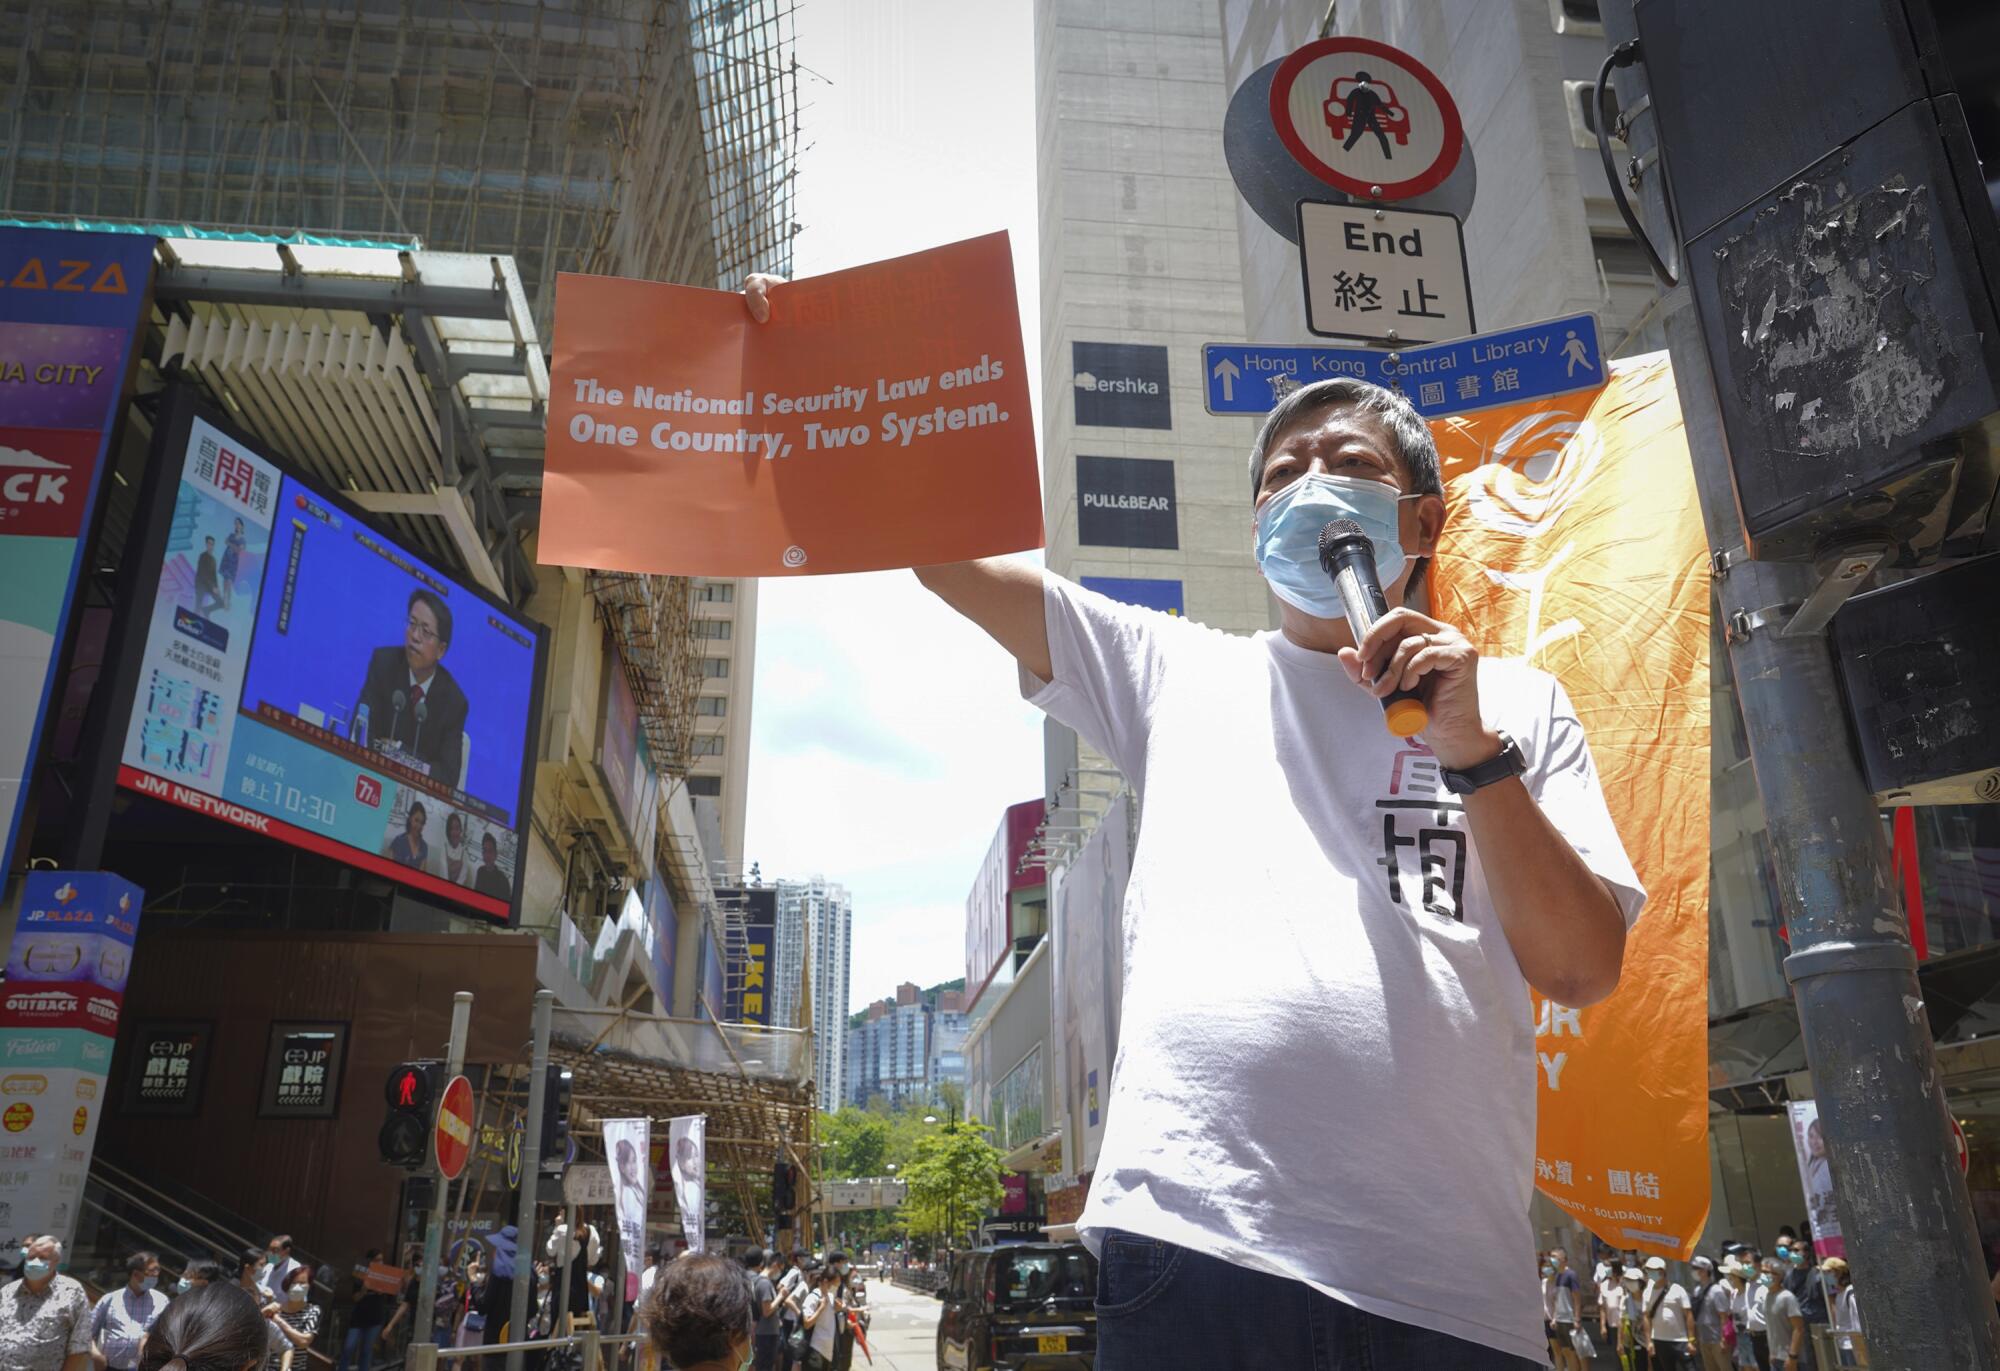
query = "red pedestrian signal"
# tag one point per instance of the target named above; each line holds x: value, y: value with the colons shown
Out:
x: 411, y: 1093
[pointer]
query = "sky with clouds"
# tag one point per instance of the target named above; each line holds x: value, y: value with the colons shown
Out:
x: 888, y: 734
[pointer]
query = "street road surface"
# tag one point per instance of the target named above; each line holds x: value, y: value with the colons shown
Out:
x: 904, y: 1334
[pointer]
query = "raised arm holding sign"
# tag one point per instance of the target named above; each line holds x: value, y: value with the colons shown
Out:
x: 877, y: 418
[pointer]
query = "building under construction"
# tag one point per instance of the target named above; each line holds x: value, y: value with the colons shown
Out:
x: 361, y: 211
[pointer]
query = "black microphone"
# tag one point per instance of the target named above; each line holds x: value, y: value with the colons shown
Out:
x: 1348, y: 557
x: 399, y: 699
x: 423, y: 710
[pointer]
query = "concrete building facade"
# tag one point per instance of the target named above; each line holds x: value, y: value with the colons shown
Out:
x: 815, y: 931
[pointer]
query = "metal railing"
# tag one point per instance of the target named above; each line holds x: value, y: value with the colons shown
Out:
x: 588, y: 1342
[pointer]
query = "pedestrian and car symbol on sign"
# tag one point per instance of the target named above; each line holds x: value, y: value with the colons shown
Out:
x: 1366, y: 118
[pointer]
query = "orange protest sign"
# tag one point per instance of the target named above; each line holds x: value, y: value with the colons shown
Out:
x: 880, y: 419
x: 1575, y: 541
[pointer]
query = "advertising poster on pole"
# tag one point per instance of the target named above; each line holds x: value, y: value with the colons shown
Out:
x: 625, y: 1146
x: 1574, y: 541
x: 880, y: 419
x: 687, y: 1145
x: 1816, y: 1176
x: 66, y: 973
x: 72, y: 305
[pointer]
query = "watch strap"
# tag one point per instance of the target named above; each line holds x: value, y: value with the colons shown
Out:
x: 1506, y: 763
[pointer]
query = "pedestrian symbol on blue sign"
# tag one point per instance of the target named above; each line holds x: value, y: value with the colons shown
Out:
x: 1549, y: 358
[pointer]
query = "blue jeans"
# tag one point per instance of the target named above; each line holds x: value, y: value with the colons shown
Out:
x: 359, y: 1346
x: 1161, y: 1306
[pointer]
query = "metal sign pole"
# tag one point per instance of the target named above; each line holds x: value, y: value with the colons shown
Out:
x: 427, y: 1279
x: 531, y: 1176
x: 1904, y: 1211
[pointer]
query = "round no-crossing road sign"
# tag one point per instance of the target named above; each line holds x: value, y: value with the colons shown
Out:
x: 1366, y: 118
x: 452, y: 1138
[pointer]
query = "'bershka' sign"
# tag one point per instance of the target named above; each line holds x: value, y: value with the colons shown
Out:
x: 1121, y: 385
x: 1126, y: 502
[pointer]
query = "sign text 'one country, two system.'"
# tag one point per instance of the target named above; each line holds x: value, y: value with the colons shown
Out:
x: 841, y: 414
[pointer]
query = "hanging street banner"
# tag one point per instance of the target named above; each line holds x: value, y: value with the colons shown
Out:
x: 1574, y: 542
x: 1816, y: 1177
x: 59, y: 1006
x: 1366, y: 118
x: 880, y: 419
x: 625, y: 1144
x: 1384, y: 275
x: 70, y: 306
x: 1554, y: 357
x: 687, y: 1146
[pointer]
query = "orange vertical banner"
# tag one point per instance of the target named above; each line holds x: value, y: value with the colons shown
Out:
x: 1575, y: 541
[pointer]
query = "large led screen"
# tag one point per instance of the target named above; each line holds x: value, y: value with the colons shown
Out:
x: 307, y: 677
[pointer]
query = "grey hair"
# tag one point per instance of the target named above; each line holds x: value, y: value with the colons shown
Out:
x: 1407, y: 430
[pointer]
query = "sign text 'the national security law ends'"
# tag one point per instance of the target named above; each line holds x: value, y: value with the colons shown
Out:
x: 880, y: 419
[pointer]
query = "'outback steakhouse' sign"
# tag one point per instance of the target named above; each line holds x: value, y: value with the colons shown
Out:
x: 1126, y: 502
x: 1121, y: 385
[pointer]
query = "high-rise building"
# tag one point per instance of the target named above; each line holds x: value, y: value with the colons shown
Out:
x: 907, y: 1046
x: 815, y: 926
x: 719, y: 755
x: 1144, y: 491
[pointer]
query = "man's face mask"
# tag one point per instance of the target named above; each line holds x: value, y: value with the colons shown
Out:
x: 1288, y: 527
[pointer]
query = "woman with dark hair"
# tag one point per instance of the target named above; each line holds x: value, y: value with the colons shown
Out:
x: 295, y: 1318
x: 212, y: 1328
x: 699, y: 1314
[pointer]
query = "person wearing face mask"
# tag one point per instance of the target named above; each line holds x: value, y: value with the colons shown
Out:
x: 296, y: 1320
x: 1799, y: 1275
x: 278, y: 1265
x: 1739, y: 1286
x: 213, y: 1328
x: 1711, y: 1306
x: 1785, y: 1325
x: 45, y: 1315
x: 1669, y: 1319
x: 1561, y: 1296
x: 1846, y: 1312
x: 198, y: 1274
x: 119, y: 1324
x: 1756, y: 1311
x: 1633, y: 1351
x: 1261, y: 1178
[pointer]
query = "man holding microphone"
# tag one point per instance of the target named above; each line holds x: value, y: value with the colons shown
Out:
x: 1326, y: 1074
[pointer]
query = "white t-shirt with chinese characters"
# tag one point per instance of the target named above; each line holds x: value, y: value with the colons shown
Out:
x: 1326, y: 1062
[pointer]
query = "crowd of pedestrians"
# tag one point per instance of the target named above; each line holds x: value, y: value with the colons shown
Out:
x: 1740, y: 1309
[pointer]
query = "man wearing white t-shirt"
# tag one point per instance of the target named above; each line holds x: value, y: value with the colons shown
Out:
x: 1326, y: 1072
x: 1669, y: 1319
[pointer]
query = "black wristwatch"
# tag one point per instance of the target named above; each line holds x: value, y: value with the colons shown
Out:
x: 1507, y: 762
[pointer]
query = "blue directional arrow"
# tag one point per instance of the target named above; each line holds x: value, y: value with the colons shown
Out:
x: 1499, y: 368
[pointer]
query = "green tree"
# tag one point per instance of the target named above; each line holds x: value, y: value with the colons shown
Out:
x: 954, y: 1179
x: 857, y: 1143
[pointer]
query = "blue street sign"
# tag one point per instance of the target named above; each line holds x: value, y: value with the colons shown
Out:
x: 1487, y: 369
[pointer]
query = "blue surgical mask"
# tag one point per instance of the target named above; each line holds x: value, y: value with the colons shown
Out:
x: 34, y: 1268
x: 148, y: 1282
x: 183, y: 1285
x: 1288, y: 527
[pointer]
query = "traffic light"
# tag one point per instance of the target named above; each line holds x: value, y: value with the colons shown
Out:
x: 411, y: 1092
x: 555, y: 1121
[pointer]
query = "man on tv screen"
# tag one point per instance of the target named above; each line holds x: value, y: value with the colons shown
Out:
x: 411, y: 699
x: 491, y: 880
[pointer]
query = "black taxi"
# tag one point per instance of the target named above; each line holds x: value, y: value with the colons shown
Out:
x: 1019, y: 1307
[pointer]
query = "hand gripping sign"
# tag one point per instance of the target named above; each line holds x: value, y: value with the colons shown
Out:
x: 880, y: 419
